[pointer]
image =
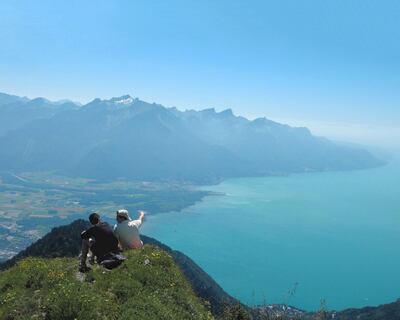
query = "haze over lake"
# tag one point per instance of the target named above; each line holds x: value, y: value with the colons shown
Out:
x: 296, y: 239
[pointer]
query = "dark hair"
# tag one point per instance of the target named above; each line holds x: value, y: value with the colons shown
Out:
x: 94, y: 218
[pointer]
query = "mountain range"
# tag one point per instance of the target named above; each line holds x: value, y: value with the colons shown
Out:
x: 125, y: 137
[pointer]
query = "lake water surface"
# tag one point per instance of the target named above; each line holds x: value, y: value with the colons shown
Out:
x: 296, y: 239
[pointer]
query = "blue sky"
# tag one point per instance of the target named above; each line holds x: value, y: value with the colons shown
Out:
x: 331, y: 65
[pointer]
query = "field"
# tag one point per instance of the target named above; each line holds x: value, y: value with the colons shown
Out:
x: 32, y: 203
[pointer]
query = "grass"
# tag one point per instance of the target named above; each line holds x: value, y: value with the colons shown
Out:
x: 149, y: 285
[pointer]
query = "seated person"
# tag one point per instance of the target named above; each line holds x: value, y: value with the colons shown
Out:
x: 100, y: 239
x: 127, y: 230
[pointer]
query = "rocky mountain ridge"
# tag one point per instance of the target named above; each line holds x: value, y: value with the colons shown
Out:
x: 125, y: 137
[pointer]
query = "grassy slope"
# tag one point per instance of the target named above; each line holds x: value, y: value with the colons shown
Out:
x: 38, y: 288
x: 65, y: 241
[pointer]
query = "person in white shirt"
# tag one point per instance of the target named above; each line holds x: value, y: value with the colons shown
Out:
x: 127, y: 230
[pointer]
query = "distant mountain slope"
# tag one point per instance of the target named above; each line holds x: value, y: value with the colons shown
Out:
x: 129, y: 138
x: 390, y: 311
x: 16, y: 111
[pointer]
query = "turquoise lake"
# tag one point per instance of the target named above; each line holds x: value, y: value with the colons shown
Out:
x: 296, y: 239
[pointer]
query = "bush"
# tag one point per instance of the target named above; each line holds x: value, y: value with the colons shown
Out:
x: 236, y: 312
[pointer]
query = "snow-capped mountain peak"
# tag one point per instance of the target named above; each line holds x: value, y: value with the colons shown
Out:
x: 123, y: 100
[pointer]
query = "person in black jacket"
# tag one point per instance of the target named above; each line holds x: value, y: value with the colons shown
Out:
x: 100, y: 239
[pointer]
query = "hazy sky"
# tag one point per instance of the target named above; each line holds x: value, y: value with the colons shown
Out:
x: 332, y: 65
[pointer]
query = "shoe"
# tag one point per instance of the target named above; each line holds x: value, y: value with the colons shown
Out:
x: 84, y: 268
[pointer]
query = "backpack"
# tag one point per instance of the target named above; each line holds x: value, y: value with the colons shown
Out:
x: 112, y: 260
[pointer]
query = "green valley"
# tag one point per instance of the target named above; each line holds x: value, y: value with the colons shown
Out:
x: 32, y: 203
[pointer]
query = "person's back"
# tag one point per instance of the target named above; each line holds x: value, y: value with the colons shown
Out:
x: 104, y: 239
x: 100, y: 239
x: 127, y: 230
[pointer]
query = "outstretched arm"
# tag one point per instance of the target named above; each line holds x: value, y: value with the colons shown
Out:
x: 141, y: 215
